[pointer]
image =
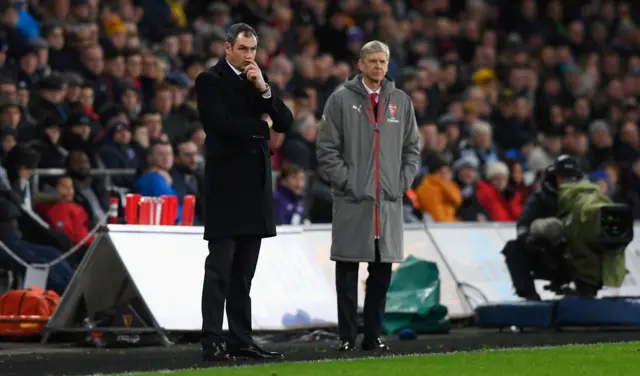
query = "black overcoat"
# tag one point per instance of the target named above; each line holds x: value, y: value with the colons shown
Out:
x: 238, y: 194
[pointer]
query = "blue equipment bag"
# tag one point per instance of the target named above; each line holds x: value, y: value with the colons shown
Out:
x: 579, y: 311
x: 525, y: 314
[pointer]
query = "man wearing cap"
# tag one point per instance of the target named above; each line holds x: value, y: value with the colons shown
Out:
x: 50, y: 98
x: 116, y: 152
x: 520, y: 255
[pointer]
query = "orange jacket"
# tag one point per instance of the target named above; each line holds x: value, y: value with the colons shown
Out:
x: 440, y: 198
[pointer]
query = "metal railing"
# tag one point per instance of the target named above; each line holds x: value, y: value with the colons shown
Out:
x: 49, y: 172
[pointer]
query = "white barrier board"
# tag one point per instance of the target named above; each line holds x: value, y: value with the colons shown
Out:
x: 416, y: 243
x: 474, y: 253
x: 169, y: 264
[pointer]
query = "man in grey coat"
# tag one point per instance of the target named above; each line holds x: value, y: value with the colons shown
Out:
x: 368, y: 149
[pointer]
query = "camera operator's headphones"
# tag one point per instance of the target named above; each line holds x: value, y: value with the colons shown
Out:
x: 564, y: 166
x: 568, y: 167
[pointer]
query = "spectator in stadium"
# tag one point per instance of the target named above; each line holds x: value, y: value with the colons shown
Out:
x: 8, y: 139
x: 11, y: 236
x: 20, y: 163
x: 543, y: 155
x: 287, y: 198
x: 480, y: 144
x: 517, y: 178
x: 238, y: 112
x: 600, y: 177
x: 52, y: 154
x: 90, y: 192
x: 157, y: 181
x: 501, y: 203
x: 465, y: 171
x: 116, y: 151
x: 187, y: 180
x: 438, y: 195
x: 69, y: 217
x: 368, y: 118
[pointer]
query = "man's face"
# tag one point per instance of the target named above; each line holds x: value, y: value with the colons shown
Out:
x: 8, y: 143
x: 82, y: 130
x: 467, y: 175
x: 295, y: 183
x: 375, y: 66
x: 130, y: 99
x: 79, y: 163
x: 11, y: 116
x: 53, y: 133
x: 134, y: 65
x: 29, y: 63
x: 122, y: 137
x: 164, y: 101
x: 8, y: 90
x: 65, y: 189
x: 153, y: 122
x: 94, y: 60
x: 187, y: 155
x: 162, y: 157
x: 242, y: 51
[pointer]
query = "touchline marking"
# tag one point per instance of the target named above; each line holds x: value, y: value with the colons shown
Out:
x: 450, y: 353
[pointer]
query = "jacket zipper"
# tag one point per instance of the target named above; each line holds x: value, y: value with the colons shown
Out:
x: 374, y: 121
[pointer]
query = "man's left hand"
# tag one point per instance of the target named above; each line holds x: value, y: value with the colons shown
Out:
x: 254, y: 75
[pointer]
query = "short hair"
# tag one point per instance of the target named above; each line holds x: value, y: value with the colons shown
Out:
x: 290, y: 170
x: 155, y: 143
x: 373, y: 47
x: 64, y: 176
x: 480, y: 126
x: 496, y: 168
x: 239, y: 29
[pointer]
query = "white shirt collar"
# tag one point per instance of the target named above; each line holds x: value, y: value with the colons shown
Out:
x: 237, y: 72
x: 369, y: 91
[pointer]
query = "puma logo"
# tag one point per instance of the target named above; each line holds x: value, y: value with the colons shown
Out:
x: 357, y: 108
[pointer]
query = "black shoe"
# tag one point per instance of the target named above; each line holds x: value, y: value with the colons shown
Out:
x: 347, y: 346
x: 216, y: 353
x: 255, y: 352
x: 374, y: 344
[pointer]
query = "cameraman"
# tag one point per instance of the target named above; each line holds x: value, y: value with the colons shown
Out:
x: 530, y: 256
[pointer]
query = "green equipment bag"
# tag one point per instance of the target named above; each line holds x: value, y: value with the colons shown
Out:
x: 580, y: 209
x: 413, y: 299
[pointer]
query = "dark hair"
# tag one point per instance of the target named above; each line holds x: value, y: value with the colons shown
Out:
x: 239, y: 29
x: 156, y: 143
x: 290, y: 170
x: 21, y: 156
x: 5, y: 80
x: 65, y: 176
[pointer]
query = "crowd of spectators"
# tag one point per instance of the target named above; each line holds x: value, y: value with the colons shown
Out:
x: 500, y: 88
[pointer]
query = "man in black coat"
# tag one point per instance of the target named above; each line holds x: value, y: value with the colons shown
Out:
x: 237, y: 110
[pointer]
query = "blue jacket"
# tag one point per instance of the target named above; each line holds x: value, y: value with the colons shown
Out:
x: 153, y: 184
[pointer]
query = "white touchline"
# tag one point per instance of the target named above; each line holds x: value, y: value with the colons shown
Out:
x: 450, y: 353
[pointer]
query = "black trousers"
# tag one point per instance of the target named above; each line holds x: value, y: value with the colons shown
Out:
x: 525, y: 265
x: 375, y: 297
x: 228, y: 272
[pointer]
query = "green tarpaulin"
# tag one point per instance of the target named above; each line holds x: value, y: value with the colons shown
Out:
x: 413, y: 299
